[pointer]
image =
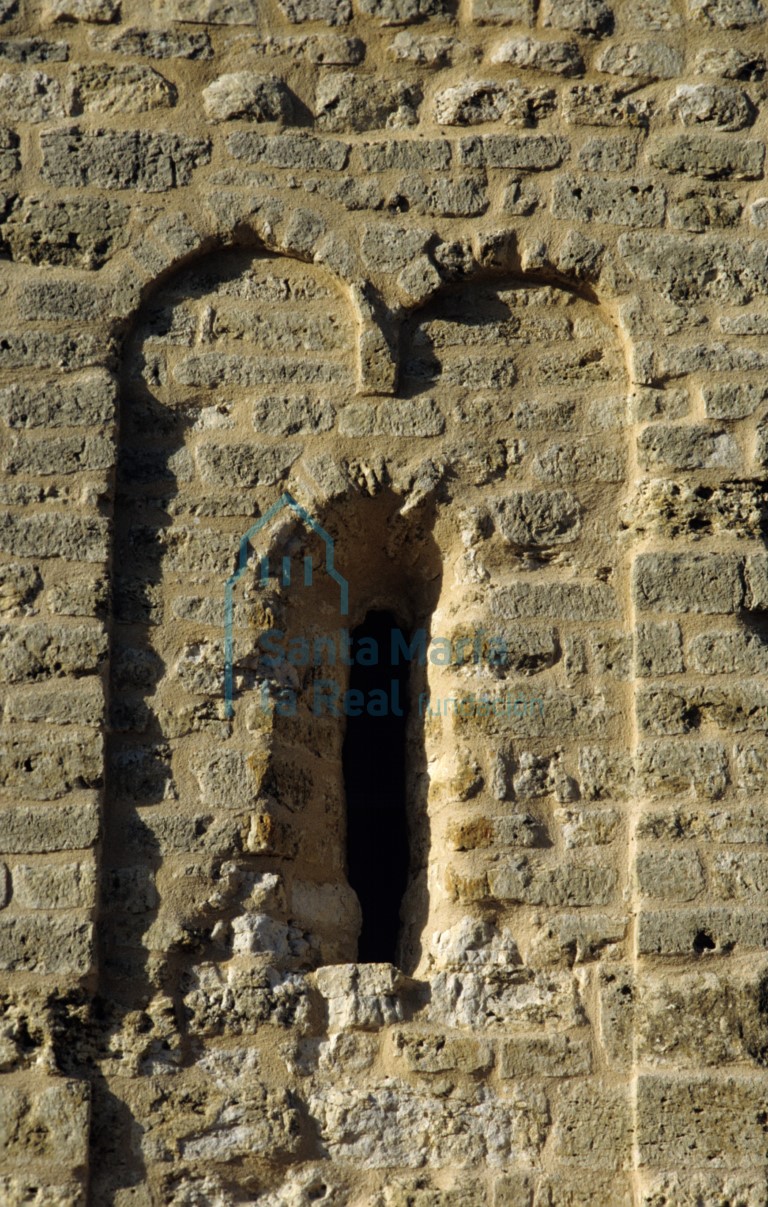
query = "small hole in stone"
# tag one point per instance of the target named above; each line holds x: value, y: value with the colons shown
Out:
x: 703, y: 942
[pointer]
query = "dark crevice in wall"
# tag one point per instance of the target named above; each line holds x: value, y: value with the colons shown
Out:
x: 374, y: 763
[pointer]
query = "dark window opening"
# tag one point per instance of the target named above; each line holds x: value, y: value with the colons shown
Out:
x: 374, y: 762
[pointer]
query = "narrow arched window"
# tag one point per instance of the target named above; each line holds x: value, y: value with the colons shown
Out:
x: 374, y: 763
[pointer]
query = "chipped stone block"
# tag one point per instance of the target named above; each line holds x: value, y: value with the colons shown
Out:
x: 137, y: 89
x: 244, y: 94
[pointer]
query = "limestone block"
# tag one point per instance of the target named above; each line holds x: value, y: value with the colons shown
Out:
x: 393, y: 1125
x: 592, y: 17
x: 669, y: 767
x: 363, y: 996
x: 612, y: 154
x: 709, y: 157
x: 244, y: 94
x: 677, y: 582
x: 63, y: 827
x: 513, y: 997
x: 429, y: 1053
x: 536, y: 1056
x: 103, y: 89
x: 641, y: 60
x: 630, y: 201
x: 503, y: 12
x: 402, y: 12
x: 727, y: 14
x: 30, y: 96
x: 719, y: 107
x: 700, y: 930
x: 605, y: 105
x: 693, y: 1187
x: 98, y: 12
x: 47, y: 1122
x: 708, y: 1018
x: 54, y: 886
x: 74, y: 232
x: 559, y: 58
x: 121, y: 159
x: 347, y: 101
x: 153, y: 43
x: 670, y: 875
x: 719, y: 1118
x: 592, y: 1126
x: 531, y: 152
x: 46, y: 944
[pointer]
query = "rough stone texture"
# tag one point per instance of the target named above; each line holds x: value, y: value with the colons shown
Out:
x: 481, y: 289
x: 243, y: 94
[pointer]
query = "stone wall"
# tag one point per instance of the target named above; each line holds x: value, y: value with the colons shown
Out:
x: 482, y: 291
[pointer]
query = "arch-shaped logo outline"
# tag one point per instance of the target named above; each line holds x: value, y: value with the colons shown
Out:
x: 285, y: 500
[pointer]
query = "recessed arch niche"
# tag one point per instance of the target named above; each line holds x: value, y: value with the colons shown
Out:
x: 478, y: 507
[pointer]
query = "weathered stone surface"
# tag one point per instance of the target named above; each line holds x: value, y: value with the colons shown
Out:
x: 720, y: 1116
x: 502, y: 12
x: 611, y: 154
x: 47, y: 1123
x: 216, y: 12
x: 582, y: 16
x: 154, y: 43
x: 345, y: 101
x: 46, y: 945
x: 531, y: 152
x: 687, y: 447
x: 641, y: 60
x: 730, y: 62
x: 560, y: 58
x: 576, y: 1126
x: 98, y: 12
x: 621, y: 202
x: 672, y: 768
x: 30, y: 96
x: 126, y: 159
x: 697, y: 931
x: 38, y: 651
x: 42, y: 828
x: 61, y: 886
x: 10, y: 160
x: 83, y: 400
x: 244, y: 94
x: 687, y: 1189
x: 333, y: 12
x: 563, y: 1055
x: 709, y: 157
x: 289, y: 151
x: 39, y: 769
x: 104, y: 89
x: 721, y: 108
x: 676, y: 582
x: 71, y: 232
x: 727, y: 14
x: 493, y: 1129
x: 34, y: 50
x: 402, y: 12
x: 605, y: 105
